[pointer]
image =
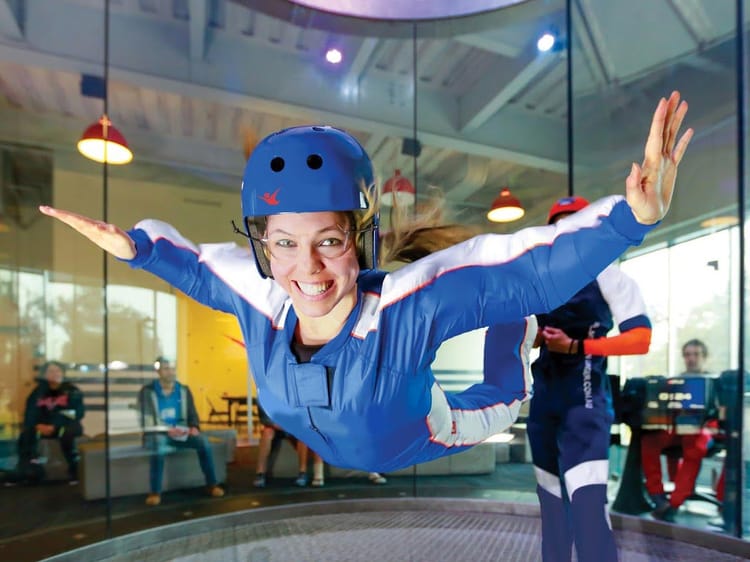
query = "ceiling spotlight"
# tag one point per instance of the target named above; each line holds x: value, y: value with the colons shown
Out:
x: 546, y: 42
x: 334, y: 56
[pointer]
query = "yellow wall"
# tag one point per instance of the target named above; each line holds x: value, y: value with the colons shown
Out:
x: 208, y: 358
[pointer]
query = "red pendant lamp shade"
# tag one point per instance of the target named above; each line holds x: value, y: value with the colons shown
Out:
x: 398, y: 189
x: 505, y: 207
x: 102, y: 142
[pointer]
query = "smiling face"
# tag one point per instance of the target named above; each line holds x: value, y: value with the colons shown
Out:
x: 315, y: 260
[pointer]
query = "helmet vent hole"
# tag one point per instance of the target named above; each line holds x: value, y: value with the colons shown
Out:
x: 277, y: 164
x: 318, y: 129
x: 314, y: 161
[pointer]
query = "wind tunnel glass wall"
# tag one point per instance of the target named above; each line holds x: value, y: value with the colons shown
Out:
x: 687, y: 269
x: 194, y: 92
x: 460, y: 115
x: 739, y: 489
x: 490, y: 114
x: 51, y: 284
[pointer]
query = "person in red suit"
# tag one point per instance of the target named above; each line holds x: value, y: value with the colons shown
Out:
x: 683, y: 472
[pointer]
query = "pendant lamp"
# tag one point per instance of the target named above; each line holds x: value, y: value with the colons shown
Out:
x: 505, y: 207
x: 398, y: 189
x: 102, y: 142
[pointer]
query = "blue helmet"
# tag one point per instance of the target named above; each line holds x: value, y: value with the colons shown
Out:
x: 303, y: 170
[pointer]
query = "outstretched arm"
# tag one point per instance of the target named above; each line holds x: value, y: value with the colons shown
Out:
x: 180, y: 265
x: 494, y: 279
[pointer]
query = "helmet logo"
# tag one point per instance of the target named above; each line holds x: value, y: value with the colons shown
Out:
x: 270, y: 198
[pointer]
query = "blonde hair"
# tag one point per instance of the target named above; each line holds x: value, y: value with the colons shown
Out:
x: 363, y: 218
x: 414, y: 236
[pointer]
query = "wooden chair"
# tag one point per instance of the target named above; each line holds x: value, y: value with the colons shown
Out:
x: 223, y: 415
x: 240, y: 414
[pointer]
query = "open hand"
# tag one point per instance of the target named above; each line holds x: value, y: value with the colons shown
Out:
x: 649, y: 187
x: 107, y: 236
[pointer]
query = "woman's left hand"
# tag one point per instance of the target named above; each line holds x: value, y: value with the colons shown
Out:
x: 649, y: 187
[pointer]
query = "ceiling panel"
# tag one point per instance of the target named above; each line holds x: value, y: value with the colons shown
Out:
x: 491, y: 111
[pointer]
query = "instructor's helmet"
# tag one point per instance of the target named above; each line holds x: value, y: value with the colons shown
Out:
x: 304, y: 170
x: 566, y: 205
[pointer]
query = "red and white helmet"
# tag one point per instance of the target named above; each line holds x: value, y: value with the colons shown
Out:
x: 566, y: 205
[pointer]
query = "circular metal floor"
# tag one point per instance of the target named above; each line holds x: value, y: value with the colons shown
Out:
x: 376, y: 531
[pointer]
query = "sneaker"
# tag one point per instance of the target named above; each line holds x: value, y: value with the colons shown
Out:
x: 73, y: 482
x: 301, y: 480
x: 216, y: 491
x: 12, y: 478
x: 665, y: 513
x: 377, y: 478
x: 153, y: 499
x: 318, y: 482
x: 260, y: 480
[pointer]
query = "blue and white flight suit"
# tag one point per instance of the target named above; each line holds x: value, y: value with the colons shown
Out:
x: 368, y: 399
x: 570, y: 417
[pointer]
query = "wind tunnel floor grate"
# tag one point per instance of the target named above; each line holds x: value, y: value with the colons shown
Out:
x: 398, y: 536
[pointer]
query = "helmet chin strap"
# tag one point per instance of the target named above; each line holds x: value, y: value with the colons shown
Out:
x: 237, y: 230
x: 261, y: 260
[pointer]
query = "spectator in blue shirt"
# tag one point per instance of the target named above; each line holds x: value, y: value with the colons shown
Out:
x: 170, y: 421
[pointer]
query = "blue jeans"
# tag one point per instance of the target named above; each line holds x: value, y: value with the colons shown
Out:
x: 160, y: 445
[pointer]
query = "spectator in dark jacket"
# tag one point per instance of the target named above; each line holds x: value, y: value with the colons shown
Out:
x: 170, y: 421
x: 54, y: 410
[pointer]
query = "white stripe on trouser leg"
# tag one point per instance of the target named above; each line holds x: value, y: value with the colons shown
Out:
x: 548, y: 481
x: 586, y: 474
x: 606, y: 516
x: 532, y: 328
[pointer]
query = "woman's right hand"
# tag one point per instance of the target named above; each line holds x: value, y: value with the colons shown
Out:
x: 108, y: 237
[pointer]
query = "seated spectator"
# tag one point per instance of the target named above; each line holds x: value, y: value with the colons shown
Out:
x: 170, y: 421
x: 54, y: 410
x: 694, y: 448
